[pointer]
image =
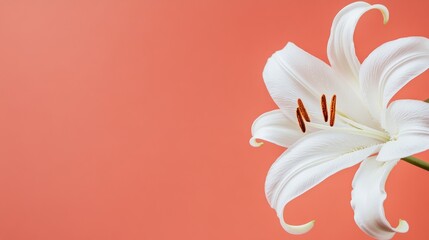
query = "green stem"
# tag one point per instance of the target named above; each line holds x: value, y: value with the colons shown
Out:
x: 417, y: 162
x: 427, y: 100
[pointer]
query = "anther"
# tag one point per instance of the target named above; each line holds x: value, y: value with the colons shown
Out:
x: 324, y: 107
x: 300, y: 120
x: 333, y: 106
x: 303, y: 111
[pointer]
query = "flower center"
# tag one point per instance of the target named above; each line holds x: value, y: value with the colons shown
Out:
x: 351, y: 126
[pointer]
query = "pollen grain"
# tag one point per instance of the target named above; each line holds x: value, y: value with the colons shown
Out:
x: 300, y: 120
x: 303, y: 111
x: 324, y: 107
x: 333, y: 107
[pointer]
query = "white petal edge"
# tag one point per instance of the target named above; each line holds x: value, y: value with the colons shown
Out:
x: 389, y: 68
x: 274, y: 127
x: 341, y: 49
x: 368, y: 196
x: 308, y: 162
x: 407, y: 122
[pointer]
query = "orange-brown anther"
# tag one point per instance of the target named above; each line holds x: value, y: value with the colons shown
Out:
x: 324, y: 107
x: 303, y: 111
x: 333, y: 106
x: 300, y: 120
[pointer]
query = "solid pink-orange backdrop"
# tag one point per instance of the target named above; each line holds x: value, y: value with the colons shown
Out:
x: 131, y: 119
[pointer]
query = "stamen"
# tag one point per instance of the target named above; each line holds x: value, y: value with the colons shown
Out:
x: 300, y: 120
x: 303, y: 111
x: 333, y: 106
x: 324, y: 108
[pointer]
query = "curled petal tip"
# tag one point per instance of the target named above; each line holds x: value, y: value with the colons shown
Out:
x: 297, y: 229
x: 402, y: 227
x: 255, y: 143
x: 384, y: 11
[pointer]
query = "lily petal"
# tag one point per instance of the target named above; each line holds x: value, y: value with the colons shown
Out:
x: 368, y: 196
x: 389, y: 67
x: 292, y: 74
x: 308, y: 162
x: 407, y: 122
x: 274, y: 127
x: 341, y: 49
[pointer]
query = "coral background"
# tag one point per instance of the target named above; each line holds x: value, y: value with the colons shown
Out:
x: 131, y: 119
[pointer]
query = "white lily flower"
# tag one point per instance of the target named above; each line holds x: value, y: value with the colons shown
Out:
x: 333, y: 117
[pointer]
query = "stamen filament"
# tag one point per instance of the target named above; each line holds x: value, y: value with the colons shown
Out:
x: 363, y: 127
x: 349, y: 130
